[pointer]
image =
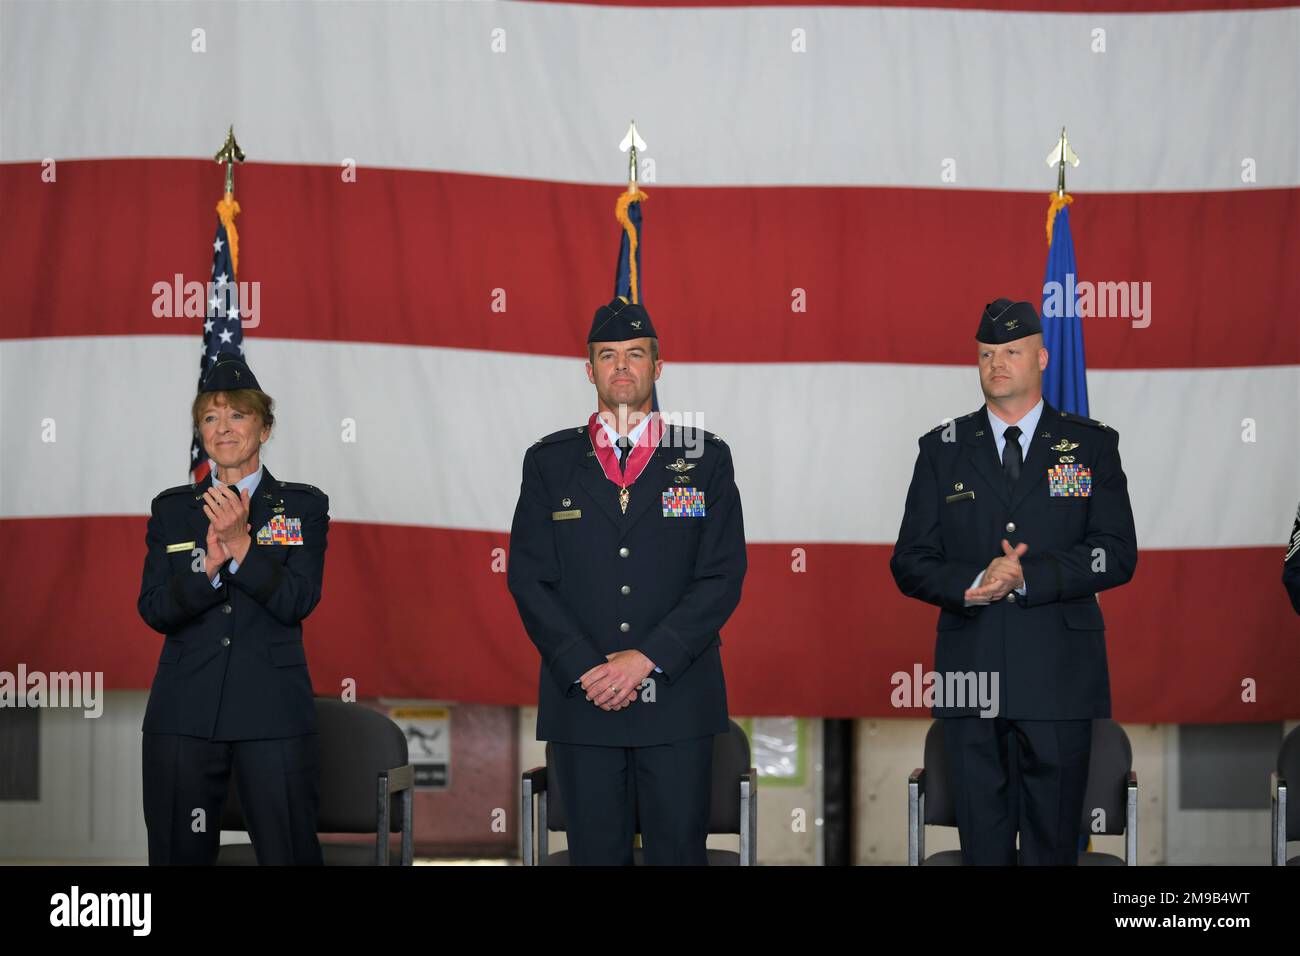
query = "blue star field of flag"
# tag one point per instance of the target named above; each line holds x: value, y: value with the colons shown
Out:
x: 222, y: 331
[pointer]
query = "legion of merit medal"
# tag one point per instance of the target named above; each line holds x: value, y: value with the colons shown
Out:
x: 637, y: 458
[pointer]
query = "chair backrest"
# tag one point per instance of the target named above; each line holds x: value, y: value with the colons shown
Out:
x: 939, y: 808
x: 1109, y: 763
x: 356, y: 745
x: 730, y: 760
x: 1288, y: 768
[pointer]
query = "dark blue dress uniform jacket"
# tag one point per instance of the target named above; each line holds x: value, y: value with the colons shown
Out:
x: 233, y: 666
x: 673, y: 581
x: 1291, y: 565
x: 1049, y: 647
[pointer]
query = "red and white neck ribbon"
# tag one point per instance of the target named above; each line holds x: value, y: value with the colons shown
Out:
x: 637, y: 458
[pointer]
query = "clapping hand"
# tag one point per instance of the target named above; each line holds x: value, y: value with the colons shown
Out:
x: 216, y: 554
x: 228, y: 514
x: 1001, y: 577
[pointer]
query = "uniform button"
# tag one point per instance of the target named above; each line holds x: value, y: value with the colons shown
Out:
x: 1012, y: 597
x: 225, y: 642
x: 623, y: 552
x: 625, y: 627
x: 625, y: 589
x: 1011, y: 527
x: 226, y: 609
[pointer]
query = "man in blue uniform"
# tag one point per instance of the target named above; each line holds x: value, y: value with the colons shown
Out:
x: 234, y: 564
x: 627, y: 554
x: 1017, y: 515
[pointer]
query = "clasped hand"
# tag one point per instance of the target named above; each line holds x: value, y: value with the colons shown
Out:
x: 613, y: 685
x: 1001, y: 577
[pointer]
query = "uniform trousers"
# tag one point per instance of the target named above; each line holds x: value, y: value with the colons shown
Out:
x: 278, y: 781
x: 1025, y: 775
x: 606, y: 791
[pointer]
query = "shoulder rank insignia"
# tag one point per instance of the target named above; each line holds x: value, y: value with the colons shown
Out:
x: 299, y: 486
x: 562, y: 435
x: 1084, y: 420
x: 177, y: 490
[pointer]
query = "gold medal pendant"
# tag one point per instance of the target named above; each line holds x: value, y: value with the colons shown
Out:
x: 623, y: 496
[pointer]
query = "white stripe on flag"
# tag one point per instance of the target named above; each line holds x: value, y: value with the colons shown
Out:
x: 823, y: 451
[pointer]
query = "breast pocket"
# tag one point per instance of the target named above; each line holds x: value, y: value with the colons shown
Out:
x: 686, y: 525
x: 190, y: 560
x: 958, y: 506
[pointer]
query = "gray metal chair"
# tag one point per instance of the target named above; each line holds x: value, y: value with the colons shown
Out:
x: 1111, y: 788
x: 735, y: 807
x: 1286, y: 813
x: 366, y: 786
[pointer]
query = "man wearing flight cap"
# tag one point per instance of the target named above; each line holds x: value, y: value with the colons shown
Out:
x: 234, y: 564
x: 627, y: 554
x: 1017, y: 515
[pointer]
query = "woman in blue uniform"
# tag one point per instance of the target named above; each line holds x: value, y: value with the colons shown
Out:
x: 234, y: 565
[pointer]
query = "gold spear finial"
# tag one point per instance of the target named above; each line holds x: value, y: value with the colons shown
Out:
x: 230, y: 153
x: 1060, y: 155
x: 632, y: 141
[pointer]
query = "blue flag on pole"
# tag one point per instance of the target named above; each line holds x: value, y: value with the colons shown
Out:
x: 1065, y: 382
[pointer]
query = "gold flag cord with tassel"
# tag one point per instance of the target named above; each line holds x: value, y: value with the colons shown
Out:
x: 1059, y: 202
x: 228, y: 209
x: 632, y: 195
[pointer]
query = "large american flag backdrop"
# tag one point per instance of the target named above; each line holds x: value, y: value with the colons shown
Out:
x: 884, y: 165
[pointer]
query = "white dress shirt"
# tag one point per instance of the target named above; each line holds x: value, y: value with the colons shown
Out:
x: 634, y: 434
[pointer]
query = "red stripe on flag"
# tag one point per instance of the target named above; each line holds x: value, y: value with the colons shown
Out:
x: 411, y: 257
x: 421, y: 612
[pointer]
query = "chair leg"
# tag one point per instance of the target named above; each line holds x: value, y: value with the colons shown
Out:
x: 408, y: 822
x: 915, y: 818
x: 1277, y: 832
x: 748, y: 818
x: 526, y: 824
x: 384, y: 823
x: 543, y: 834
x: 1131, y: 821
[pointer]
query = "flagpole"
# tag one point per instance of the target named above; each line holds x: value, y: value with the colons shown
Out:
x: 225, y: 246
x: 230, y: 153
x: 627, y: 210
x: 1060, y: 155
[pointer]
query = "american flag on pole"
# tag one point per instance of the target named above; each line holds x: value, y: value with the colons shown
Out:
x: 223, y: 329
